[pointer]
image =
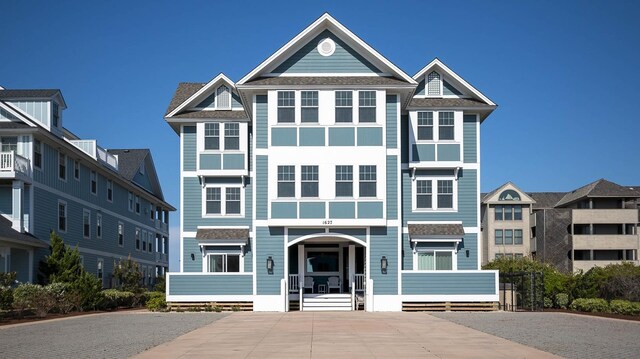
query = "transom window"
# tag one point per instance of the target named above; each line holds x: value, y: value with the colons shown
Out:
x: 446, y: 126
x: 433, y: 84
x: 344, y: 181
x: 367, y: 183
x: 425, y: 125
x: 286, y: 106
x: 435, y: 260
x: 211, y: 136
x: 286, y: 181
x: 424, y: 194
x: 309, y: 110
x: 344, y: 106
x: 223, y: 200
x: 367, y: 106
x: 231, y: 136
x: 223, y: 263
x: 309, y: 181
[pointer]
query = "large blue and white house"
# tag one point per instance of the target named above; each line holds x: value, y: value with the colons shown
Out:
x: 107, y: 203
x: 327, y: 178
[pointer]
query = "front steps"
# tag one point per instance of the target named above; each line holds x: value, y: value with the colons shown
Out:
x: 326, y: 302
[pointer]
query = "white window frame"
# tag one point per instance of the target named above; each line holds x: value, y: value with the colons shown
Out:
x: 63, y: 157
x: 434, y: 193
x: 223, y: 199
x: 136, y: 203
x: 243, y: 128
x: 130, y: 204
x: 119, y: 229
x: 137, y: 239
x: 223, y: 138
x: 99, y: 226
x: 66, y: 216
x: 110, y: 190
x: 93, y: 176
x: 38, y: 149
x: 100, y: 270
x: 458, y: 124
x: 440, y: 84
x: 143, y: 247
x: 232, y: 251
x: 76, y: 170
x: 453, y: 251
x: 218, y: 93
x: 87, y: 213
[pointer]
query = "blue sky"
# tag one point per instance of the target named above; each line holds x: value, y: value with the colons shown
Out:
x: 564, y: 73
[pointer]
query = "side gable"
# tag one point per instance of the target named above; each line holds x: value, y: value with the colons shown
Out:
x: 203, y: 97
x: 508, y: 192
x: 147, y: 178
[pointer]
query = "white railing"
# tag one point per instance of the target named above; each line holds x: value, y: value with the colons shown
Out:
x: 294, y: 285
x: 91, y: 148
x: 107, y: 158
x: 12, y: 162
x: 359, y: 280
x: 87, y: 146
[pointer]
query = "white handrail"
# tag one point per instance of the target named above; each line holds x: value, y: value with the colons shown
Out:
x: 354, y: 305
x: 293, y: 283
x: 359, y: 280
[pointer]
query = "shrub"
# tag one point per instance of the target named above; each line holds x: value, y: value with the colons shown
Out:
x: 140, y: 299
x: 63, y: 264
x: 64, y: 296
x: 7, y: 279
x: 217, y: 309
x: 548, y: 303
x: 562, y: 300
x: 128, y: 274
x: 89, y: 292
x: 625, y: 307
x: 118, y: 298
x: 157, y: 302
x: 160, y: 285
x: 590, y: 305
x: 34, y: 296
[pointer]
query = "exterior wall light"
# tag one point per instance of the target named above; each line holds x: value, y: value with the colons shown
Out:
x: 383, y: 265
x: 270, y: 265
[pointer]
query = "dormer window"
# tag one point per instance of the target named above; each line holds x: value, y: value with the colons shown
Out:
x: 55, y: 114
x: 223, y: 97
x: 434, y: 84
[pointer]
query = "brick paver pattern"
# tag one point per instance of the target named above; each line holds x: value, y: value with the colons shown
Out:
x: 566, y: 335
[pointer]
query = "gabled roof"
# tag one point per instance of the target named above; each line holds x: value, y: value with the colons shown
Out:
x: 435, y: 230
x: 328, y: 81
x: 546, y: 199
x: 219, y: 114
x: 327, y: 22
x: 598, y: 189
x: 439, y: 66
x: 183, y: 92
x: 491, y: 197
x: 34, y: 94
x: 129, y: 163
x: 7, y: 233
x: 187, y: 98
x: 449, y: 103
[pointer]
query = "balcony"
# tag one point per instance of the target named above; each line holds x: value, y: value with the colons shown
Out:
x: 162, y: 257
x: 586, y: 265
x: 14, y: 166
x: 604, y: 216
x: 605, y: 241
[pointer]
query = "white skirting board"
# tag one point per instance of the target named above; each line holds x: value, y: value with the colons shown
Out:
x: 269, y: 303
x: 387, y: 303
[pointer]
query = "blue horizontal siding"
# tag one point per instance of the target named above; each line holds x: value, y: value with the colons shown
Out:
x: 384, y: 242
x: 312, y: 210
x: 261, y: 187
x: 470, y: 139
x: 342, y: 136
x: 261, y: 121
x: 448, y: 152
x: 284, y: 210
x: 189, y: 148
x: 370, y: 210
x: 424, y: 152
x: 219, y: 284
x: 449, y: 283
x: 392, y: 187
x: 392, y: 121
x: 233, y: 161
x: 269, y: 243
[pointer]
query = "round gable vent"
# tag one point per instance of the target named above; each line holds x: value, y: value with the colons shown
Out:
x: 326, y: 47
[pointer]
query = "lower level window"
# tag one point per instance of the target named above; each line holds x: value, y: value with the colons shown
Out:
x: 435, y: 260
x: 224, y: 263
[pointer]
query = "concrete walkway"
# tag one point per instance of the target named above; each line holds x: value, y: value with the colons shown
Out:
x: 339, y: 335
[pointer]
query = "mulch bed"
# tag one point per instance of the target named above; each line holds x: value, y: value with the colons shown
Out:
x: 603, y: 315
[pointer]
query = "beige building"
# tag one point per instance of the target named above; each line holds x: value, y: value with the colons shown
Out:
x: 506, y: 229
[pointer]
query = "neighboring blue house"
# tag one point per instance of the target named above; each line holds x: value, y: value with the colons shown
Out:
x: 107, y: 203
x: 327, y: 178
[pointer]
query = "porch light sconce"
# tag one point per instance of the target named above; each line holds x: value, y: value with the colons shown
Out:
x: 383, y: 265
x: 467, y: 253
x: 193, y: 257
x: 270, y: 265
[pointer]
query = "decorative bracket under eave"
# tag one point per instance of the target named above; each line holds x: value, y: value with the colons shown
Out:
x: 456, y: 171
x: 413, y: 174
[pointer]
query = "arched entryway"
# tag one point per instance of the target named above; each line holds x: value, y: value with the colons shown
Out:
x: 326, y: 271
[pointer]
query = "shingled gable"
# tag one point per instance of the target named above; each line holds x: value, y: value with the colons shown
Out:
x: 190, y: 94
x: 598, y: 189
x: 129, y: 163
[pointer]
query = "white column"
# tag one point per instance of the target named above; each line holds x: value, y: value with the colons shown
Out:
x: 301, y: 265
x: 17, y: 194
x: 352, y: 263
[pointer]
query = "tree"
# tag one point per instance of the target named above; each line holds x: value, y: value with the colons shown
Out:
x: 62, y: 265
x: 128, y: 274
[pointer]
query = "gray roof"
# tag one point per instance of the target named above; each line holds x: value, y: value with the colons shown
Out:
x: 11, y: 125
x: 223, y: 234
x: 328, y: 81
x: 129, y: 161
x: 221, y: 114
x: 599, y: 188
x: 40, y: 93
x: 546, y: 199
x: 7, y: 233
x: 439, y: 229
x: 447, y: 102
x: 183, y: 92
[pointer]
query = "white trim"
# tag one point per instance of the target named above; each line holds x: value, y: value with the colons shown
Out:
x: 328, y: 233
x: 436, y: 63
x: 325, y: 21
x: 223, y: 201
x: 207, y: 298
x: 387, y: 303
x: 205, y: 88
x: 221, y: 243
x: 327, y: 74
x: 205, y: 260
x: 434, y: 194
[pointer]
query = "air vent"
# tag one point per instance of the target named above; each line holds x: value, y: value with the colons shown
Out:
x: 326, y: 47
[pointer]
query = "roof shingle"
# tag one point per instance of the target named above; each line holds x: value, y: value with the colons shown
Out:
x: 436, y: 229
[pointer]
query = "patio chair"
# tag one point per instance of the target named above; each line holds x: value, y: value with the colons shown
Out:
x: 333, y: 283
x: 308, y: 283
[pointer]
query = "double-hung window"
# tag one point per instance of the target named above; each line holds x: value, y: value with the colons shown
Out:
x: 98, y: 225
x: 508, y: 236
x: 232, y: 203
x: 223, y: 263
x: 62, y: 166
x: 445, y: 126
x: 425, y: 125
x: 435, y: 260
x: 309, y: 181
x: 424, y: 194
x: 367, y: 185
x: 137, y: 204
x: 86, y: 223
x: 137, y: 239
x: 94, y: 182
x: 344, y: 181
x: 76, y: 170
x: 110, y: 190
x: 62, y: 216
x: 517, y: 236
x: 499, y: 213
x: 232, y: 136
x: 130, y: 202
x: 309, y: 109
x: 211, y: 136
x: 37, y: 154
x: 445, y: 193
x: 286, y: 181
x: 120, y: 234
x: 517, y: 213
x: 367, y: 106
x: 144, y: 241
x: 286, y: 106
x: 344, y: 106
x: 499, y: 239
x: 55, y: 114
x: 214, y: 200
